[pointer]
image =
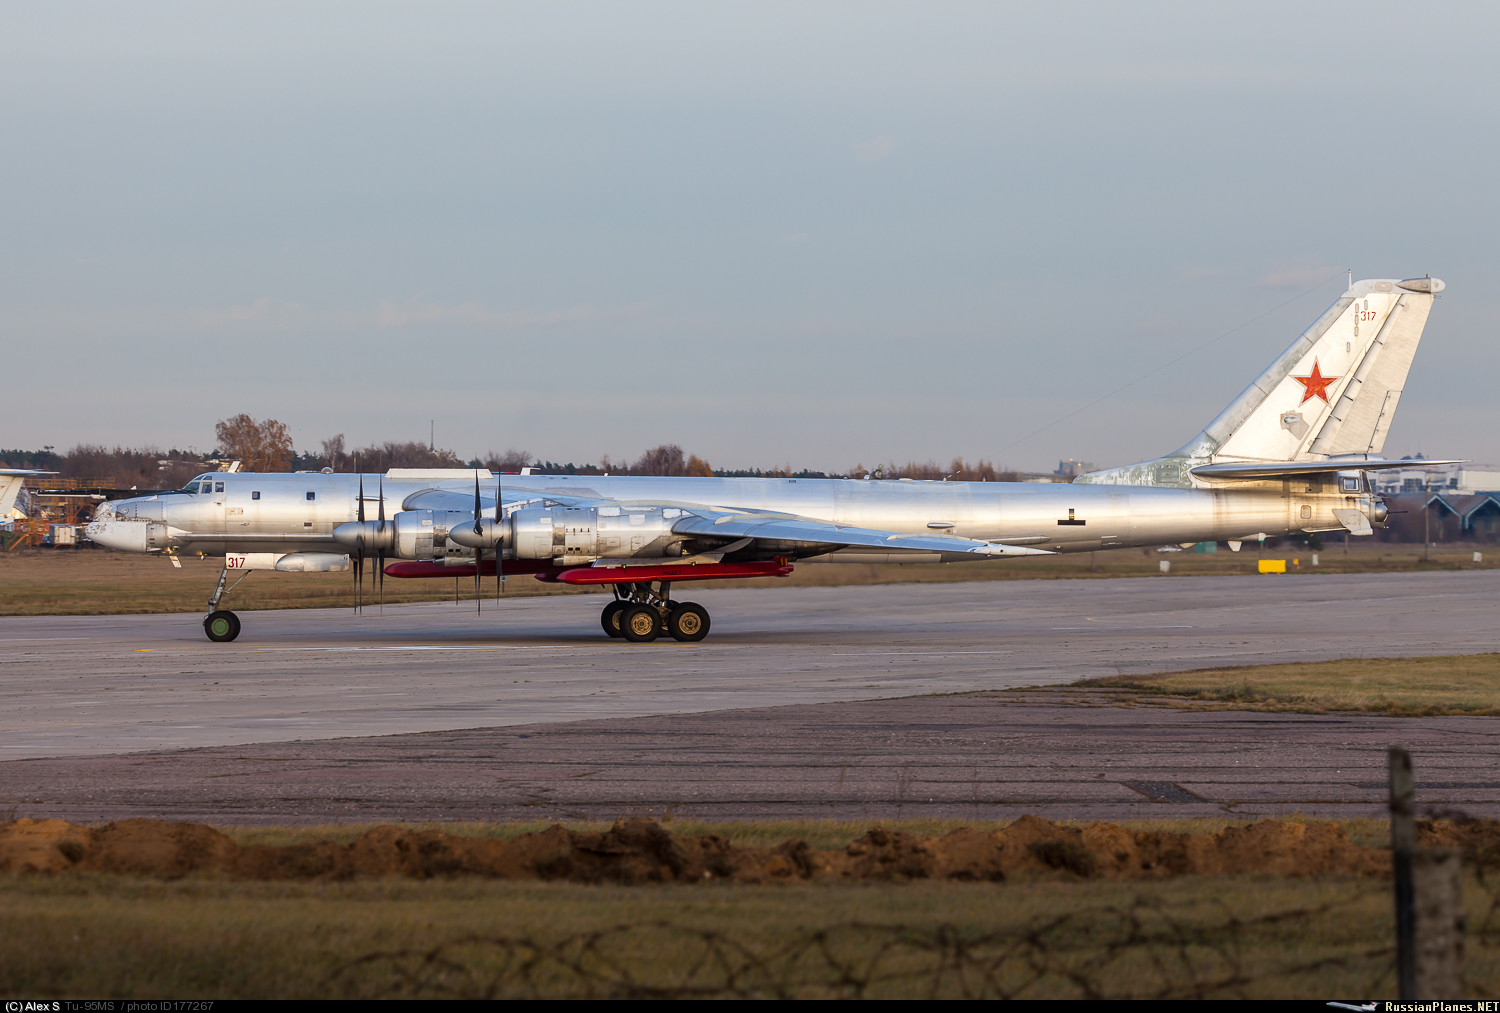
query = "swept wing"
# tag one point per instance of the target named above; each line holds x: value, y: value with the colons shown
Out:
x: 773, y: 532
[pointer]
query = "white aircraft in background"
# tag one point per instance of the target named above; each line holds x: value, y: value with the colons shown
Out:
x: 1289, y: 455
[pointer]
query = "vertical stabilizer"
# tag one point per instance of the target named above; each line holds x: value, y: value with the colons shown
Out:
x: 1333, y: 393
x: 11, y: 480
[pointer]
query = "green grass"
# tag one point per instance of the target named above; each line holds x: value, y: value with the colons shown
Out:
x: 1046, y: 935
x: 1405, y: 687
x: 117, y: 938
x: 96, y: 582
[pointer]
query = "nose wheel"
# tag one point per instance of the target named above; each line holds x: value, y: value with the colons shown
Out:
x: 221, y: 626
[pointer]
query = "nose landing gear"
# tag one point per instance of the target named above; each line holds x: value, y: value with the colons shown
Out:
x: 220, y: 625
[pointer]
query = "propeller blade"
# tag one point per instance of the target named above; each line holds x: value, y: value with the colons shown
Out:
x: 380, y: 550
x: 478, y: 552
x: 359, y: 552
x: 500, y: 545
x: 478, y: 528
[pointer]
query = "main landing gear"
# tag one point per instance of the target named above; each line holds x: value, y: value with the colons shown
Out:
x: 640, y: 614
x: 222, y: 626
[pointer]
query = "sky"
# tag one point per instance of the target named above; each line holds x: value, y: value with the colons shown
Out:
x: 814, y: 234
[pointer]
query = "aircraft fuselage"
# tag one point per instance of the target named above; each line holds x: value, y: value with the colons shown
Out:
x: 250, y: 512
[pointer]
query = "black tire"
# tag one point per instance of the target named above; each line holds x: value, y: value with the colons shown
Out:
x: 610, y: 618
x: 641, y: 624
x: 688, y: 622
x: 221, y: 627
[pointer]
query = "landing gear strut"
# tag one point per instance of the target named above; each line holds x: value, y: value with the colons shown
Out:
x: 641, y: 613
x: 222, y: 626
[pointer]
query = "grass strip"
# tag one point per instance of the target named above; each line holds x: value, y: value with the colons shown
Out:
x: 91, y: 581
x: 1400, y: 687
x: 1226, y: 937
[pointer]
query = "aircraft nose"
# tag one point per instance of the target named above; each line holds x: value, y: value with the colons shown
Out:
x: 126, y: 536
x: 144, y: 509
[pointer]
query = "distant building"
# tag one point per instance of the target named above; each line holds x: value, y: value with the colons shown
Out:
x: 1069, y: 469
x: 1442, y: 517
x: 1458, y: 479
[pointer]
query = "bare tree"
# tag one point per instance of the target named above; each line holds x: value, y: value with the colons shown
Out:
x: 509, y: 462
x: 128, y: 467
x: 411, y: 454
x: 666, y: 459
x: 258, y: 446
x: 958, y: 471
x: 333, y: 451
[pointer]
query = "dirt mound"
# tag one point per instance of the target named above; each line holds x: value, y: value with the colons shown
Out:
x: 642, y: 851
x: 1479, y: 840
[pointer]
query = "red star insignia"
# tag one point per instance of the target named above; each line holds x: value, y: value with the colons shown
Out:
x: 1314, y: 385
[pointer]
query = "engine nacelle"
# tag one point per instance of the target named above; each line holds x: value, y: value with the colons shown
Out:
x: 582, y: 534
x: 422, y: 534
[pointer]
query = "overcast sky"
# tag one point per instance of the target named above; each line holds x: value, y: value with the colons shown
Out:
x: 804, y: 233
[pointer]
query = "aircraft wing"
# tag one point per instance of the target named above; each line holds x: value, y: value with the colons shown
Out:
x: 800, y: 531
x: 737, y: 526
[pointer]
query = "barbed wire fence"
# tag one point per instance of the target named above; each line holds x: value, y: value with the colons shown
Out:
x: 1141, y: 950
x: 1144, y: 949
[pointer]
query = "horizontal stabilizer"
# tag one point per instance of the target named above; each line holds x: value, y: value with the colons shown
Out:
x: 1279, y: 469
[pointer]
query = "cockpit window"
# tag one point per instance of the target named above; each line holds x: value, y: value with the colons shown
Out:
x: 206, y: 487
x: 218, y: 487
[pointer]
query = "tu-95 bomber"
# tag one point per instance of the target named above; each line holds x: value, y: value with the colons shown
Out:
x: 1291, y: 454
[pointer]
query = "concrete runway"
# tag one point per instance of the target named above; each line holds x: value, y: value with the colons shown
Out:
x: 539, y: 716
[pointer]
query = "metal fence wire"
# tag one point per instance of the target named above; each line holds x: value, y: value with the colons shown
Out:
x: 1137, y: 951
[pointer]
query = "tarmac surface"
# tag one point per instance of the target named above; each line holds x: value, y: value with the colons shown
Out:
x: 802, y: 702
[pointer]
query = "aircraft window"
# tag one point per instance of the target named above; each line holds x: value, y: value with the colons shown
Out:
x: 1351, y: 485
x: 218, y: 487
x: 206, y: 487
x: 311, y: 496
x: 255, y: 494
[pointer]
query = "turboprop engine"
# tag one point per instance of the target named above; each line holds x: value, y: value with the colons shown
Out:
x: 411, y: 534
x: 569, y: 535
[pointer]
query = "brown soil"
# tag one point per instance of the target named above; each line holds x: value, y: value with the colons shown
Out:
x: 641, y: 851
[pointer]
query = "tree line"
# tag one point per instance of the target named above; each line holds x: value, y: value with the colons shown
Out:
x: 266, y: 445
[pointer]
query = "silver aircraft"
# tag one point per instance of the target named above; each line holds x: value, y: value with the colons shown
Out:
x: 1289, y: 455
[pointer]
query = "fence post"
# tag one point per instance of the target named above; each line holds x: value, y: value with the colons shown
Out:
x: 1429, y: 900
x: 1403, y: 843
x: 1438, y: 923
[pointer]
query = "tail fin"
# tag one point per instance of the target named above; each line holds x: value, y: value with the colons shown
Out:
x: 1333, y: 393
x: 11, y: 480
